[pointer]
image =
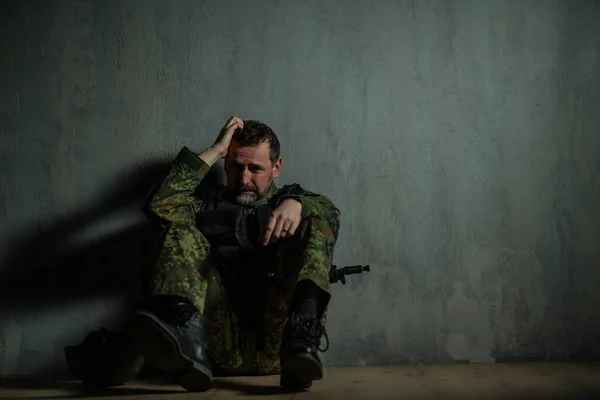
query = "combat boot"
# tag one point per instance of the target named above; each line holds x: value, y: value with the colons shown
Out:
x: 176, y: 343
x: 299, y: 356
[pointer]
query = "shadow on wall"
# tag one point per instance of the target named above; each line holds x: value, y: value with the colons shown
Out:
x: 56, y: 266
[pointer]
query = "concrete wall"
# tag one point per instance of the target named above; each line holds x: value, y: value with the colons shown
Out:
x: 461, y: 140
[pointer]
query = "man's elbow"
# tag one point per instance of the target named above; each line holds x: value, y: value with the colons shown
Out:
x: 152, y: 214
x: 331, y: 216
x: 152, y: 208
x: 335, y: 221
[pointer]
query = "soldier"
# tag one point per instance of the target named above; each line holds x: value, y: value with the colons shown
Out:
x: 231, y: 295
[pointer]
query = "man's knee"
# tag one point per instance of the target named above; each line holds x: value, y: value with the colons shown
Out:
x: 311, y: 248
x: 186, y: 236
x: 317, y: 232
x: 308, y: 255
x: 184, y: 230
x: 330, y: 224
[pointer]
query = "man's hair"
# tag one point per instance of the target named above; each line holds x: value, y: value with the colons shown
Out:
x: 255, y: 132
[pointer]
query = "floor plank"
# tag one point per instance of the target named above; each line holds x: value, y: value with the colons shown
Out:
x: 470, y: 381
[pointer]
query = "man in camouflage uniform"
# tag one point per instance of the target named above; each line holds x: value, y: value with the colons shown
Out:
x: 253, y: 308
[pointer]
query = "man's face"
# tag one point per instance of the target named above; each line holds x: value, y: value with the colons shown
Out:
x: 250, y: 171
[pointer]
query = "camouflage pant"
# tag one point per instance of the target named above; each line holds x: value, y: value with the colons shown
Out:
x: 184, y: 269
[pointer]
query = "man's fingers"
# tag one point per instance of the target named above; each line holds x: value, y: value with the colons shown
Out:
x: 278, y: 229
x: 282, y: 224
x: 231, y: 130
x: 293, y: 228
x: 234, y: 120
x: 270, y: 227
x: 234, y: 127
x: 230, y: 122
x: 287, y: 227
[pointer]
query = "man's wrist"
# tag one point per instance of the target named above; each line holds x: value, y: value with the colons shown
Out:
x: 210, y: 156
x: 295, y: 199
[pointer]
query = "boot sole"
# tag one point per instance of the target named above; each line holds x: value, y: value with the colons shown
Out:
x: 302, y: 367
x: 160, y: 348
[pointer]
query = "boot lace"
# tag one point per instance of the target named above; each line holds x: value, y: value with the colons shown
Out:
x: 310, y: 330
x: 182, y: 316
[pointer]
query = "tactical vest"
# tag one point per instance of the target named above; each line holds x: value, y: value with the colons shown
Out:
x: 235, y: 234
x: 245, y: 266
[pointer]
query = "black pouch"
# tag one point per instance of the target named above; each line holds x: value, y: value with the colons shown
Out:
x: 234, y: 226
x: 221, y: 227
x: 104, y: 358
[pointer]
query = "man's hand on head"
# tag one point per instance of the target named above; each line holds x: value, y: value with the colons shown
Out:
x: 219, y: 148
x: 224, y: 139
x: 284, y: 221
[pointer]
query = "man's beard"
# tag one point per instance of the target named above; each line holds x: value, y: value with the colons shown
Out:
x: 252, y: 194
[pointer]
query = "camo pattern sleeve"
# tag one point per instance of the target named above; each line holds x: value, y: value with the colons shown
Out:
x: 313, y: 205
x: 173, y: 200
x: 316, y: 205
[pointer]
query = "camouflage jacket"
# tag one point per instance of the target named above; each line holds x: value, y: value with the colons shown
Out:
x: 176, y: 200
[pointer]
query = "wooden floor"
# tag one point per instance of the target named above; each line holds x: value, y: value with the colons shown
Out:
x: 470, y: 381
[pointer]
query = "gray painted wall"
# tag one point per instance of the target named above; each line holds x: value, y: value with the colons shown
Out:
x: 461, y: 140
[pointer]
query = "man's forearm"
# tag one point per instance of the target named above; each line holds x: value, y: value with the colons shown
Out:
x: 210, y: 156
